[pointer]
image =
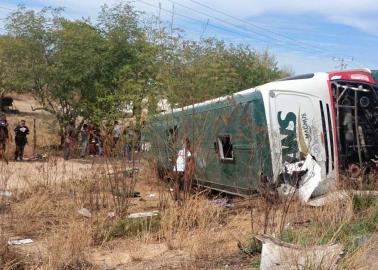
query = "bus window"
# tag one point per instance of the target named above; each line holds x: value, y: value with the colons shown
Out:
x: 172, y: 136
x: 225, y: 149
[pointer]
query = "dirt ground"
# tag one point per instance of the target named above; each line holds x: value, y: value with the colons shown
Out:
x: 140, y: 252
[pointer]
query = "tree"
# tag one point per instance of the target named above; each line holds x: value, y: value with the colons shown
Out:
x: 197, y: 71
x: 55, y: 59
x: 80, y: 70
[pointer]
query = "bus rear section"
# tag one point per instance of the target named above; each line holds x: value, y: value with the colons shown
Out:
x: 355, y: 101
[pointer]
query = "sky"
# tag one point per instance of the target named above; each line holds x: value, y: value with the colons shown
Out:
x: 304, y: 35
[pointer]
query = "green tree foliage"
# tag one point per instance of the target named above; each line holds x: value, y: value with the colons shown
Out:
x: 91, y: 71
x: 55, y: 59
x: 209, y: 69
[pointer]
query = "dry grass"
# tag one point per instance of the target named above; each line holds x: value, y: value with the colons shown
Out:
x: 201, y: 233
x: 195, y: 216
x: 67, y: 246
x: 9, y: 260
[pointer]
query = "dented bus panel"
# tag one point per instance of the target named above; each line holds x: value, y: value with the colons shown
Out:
x: 316, y: 125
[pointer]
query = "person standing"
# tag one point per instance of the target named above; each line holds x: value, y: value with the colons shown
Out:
x: 84, y: 137
x: 183, y: 169
x: 69, y: 139
x: 98, y: 140
x: 21, y: 133
x: 92, y: 141
x: 129, y: 141
x: 4, y: 136
x: 116, y: 133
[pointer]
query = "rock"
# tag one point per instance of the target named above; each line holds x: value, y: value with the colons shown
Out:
x: 5, y: 193
x: 144, y: 214
x: 85, y: 212
x: 278, y: 255
x: 286, y: 190
x: 20, y: 241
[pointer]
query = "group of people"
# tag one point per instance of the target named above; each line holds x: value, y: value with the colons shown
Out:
x: 91, y: 140
x: 21, y: 132
x: 89, y: 137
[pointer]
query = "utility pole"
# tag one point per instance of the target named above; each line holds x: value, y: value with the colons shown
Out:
x: 343, y: 65
x: 173, y: 14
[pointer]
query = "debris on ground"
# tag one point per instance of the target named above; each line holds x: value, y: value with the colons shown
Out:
x: 20, y: 241
x: 277, y: 254
x: 224, y: 202
x: 111, y: 214
x: 144, y: 214
x: 126, y: 193
x: 37, y: 156
x: 286, y: 190
x: 130, y: 172
x: 5, y: 193
x: 85, y: 212
x: 329, y: 198
x: 364, y: 193
x: 340, y: 195
x: 150, y: 197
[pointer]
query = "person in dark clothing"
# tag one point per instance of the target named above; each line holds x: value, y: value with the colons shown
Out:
x: 69, y: 139
x: 4, y: 136
x: 21, y: 133
x: 84, y: 141
x: 92, y: 141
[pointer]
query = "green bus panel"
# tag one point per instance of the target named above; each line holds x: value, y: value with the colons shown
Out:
x: 242, y: 118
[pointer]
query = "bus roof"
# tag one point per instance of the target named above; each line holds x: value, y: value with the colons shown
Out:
x: 358, y: 75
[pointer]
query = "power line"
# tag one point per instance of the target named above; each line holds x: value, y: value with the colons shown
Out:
x: 257, y: 26
x: 198, y: 21
x: 297, y: 43
x: 2, y: 7
x: 249, y: 31
x: 280, y: 40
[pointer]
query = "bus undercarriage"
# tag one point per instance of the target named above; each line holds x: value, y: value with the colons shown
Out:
x: 356, y: 112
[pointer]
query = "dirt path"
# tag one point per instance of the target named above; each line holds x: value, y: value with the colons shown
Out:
x: 20, y: 175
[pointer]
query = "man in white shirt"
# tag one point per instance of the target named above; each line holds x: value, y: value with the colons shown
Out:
x: 182, y: 157
x: 183, y: 169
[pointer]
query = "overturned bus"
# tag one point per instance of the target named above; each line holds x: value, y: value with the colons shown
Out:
x: 316, y: 125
